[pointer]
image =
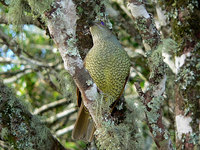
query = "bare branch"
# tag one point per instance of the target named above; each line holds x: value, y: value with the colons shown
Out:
x: 50, y: 106
x: 139, y: 74
x: 39, y: 46
x: 17, y: 76
x: 35, y: 62
x: 9, y: 73
x: 7, y: 60
x: 12, y: 44
x: 60, y: 115
x: 64, y: 130
x: 123, y: 7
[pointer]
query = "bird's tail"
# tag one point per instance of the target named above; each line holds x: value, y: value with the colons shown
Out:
x: 84, y: 126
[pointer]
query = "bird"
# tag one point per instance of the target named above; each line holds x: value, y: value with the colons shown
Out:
x: 108, y: 65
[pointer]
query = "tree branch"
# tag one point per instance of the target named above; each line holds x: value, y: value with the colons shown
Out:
x: 63, y: 24
x: 60, y: 115
x: 64, y: 130
x: 17, y: 76
x: 66, y: 26
x: 153, y: 98
x: 123, y: 7
x: 15, y: 47
x: 27, y: 20
x: 21, y: 129
x: 50, y: 106
x: 7, y: 60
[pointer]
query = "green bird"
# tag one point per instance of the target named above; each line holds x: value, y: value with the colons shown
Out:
x: 109, y: 65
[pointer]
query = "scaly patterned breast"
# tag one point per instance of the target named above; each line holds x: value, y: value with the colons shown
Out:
x: 108, y: 65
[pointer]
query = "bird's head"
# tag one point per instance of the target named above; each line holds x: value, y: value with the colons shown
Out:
x: 100, y: 31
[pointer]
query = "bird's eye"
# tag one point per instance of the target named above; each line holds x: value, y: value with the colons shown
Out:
x: 102, y: 23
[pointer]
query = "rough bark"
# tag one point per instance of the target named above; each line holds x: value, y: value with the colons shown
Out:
x: 20, y: 128
x: 186, y: 32
x: 64, y: 28
x: 153, y: 98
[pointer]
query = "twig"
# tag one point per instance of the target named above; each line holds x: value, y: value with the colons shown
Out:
x: 123, y: 7
x: 17, y: 76
x: 139, y: 74
x: 7, y: 60
x: 50, y: 106
x: 15, y: 47
x: 139, y: 89
x: 35, y: 62
x: 64, y: 130
x: 60, y: 115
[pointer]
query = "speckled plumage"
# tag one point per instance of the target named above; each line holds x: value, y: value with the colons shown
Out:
x: 107, y: 62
